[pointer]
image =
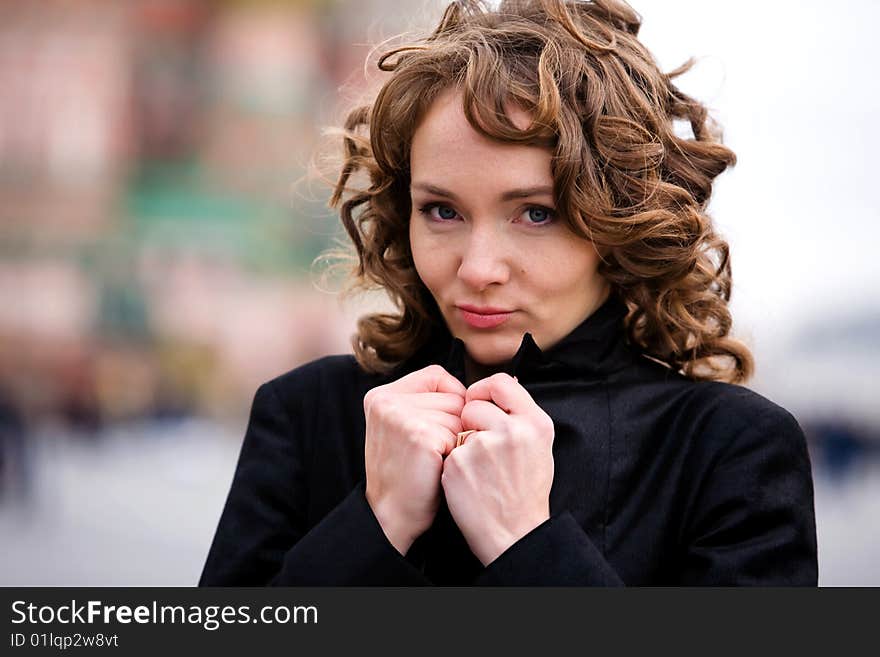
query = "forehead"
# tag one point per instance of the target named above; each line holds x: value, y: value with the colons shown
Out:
x: 449, y: 104
x: 446, y: 146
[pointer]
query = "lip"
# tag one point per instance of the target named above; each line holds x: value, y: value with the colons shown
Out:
x: 485, y: 310
x: 484, y: 317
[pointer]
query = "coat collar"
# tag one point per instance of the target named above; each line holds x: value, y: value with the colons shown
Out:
x: 596, y: 347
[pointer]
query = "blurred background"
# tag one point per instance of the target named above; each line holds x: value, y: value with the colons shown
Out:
x: 158, y: 226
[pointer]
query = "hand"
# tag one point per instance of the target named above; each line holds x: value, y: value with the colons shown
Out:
x: 497, y: 484
x: 411, y: 425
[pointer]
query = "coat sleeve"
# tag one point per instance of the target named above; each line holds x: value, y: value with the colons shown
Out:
x: 556, y: 553
x: 262, y: 537
x: 753, y: 523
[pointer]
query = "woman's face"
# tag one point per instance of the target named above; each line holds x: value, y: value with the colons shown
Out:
x: 484, y: 233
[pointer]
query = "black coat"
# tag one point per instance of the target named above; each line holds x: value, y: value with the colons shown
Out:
x: 659, y: 480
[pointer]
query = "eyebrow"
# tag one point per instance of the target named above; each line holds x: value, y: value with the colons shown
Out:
x: 511, y: 194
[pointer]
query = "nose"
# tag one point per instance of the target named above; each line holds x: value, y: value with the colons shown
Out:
x: 484, y: 260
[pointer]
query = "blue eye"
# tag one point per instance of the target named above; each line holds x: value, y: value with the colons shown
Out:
x: 536, y: 215
x: 445, y: 212
x: 438, y: 212
x: 539, y: 215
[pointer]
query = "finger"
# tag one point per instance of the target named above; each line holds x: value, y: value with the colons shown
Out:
x: 432, y: 378
x: 483, y: 416
x: 472, y: 433
x: 429, y: 379
x: 448, y: 402
x: 434, y: 429
x: 502, y: 390
x: 447, y: 427
x: 452, y: 423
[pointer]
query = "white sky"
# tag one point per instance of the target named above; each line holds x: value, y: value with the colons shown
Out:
x: 795, y: 86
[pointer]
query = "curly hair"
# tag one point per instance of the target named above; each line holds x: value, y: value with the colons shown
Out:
x: 622, y: 177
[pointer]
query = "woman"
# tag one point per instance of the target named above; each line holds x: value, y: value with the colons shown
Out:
x: 555, y: 403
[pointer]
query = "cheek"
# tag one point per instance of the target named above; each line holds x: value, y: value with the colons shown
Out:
x: 562, y: 267
x: 427, y: 255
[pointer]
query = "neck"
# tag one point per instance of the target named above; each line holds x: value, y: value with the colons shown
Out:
x: 474, y: 371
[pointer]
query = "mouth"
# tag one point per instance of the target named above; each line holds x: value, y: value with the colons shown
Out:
x: 483, y: 318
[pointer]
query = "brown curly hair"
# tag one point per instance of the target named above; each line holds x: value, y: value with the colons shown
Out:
x: 622, y: 177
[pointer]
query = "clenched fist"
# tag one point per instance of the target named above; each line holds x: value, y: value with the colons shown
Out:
x: 411, y: 425
x: 497, y: 484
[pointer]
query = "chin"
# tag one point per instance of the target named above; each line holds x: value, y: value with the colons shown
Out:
x: 485, y: 353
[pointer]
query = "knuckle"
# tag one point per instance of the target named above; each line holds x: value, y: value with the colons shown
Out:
x: 517, y: 435
x: 418, y: 431
x: 435, y: 370
x: 386, y: 411
x: 517, y: 432
x: 373, y: 396
x: 418, y: 428
x: 538, y: 424
x: 466, y: 415
x: 488, y: 441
